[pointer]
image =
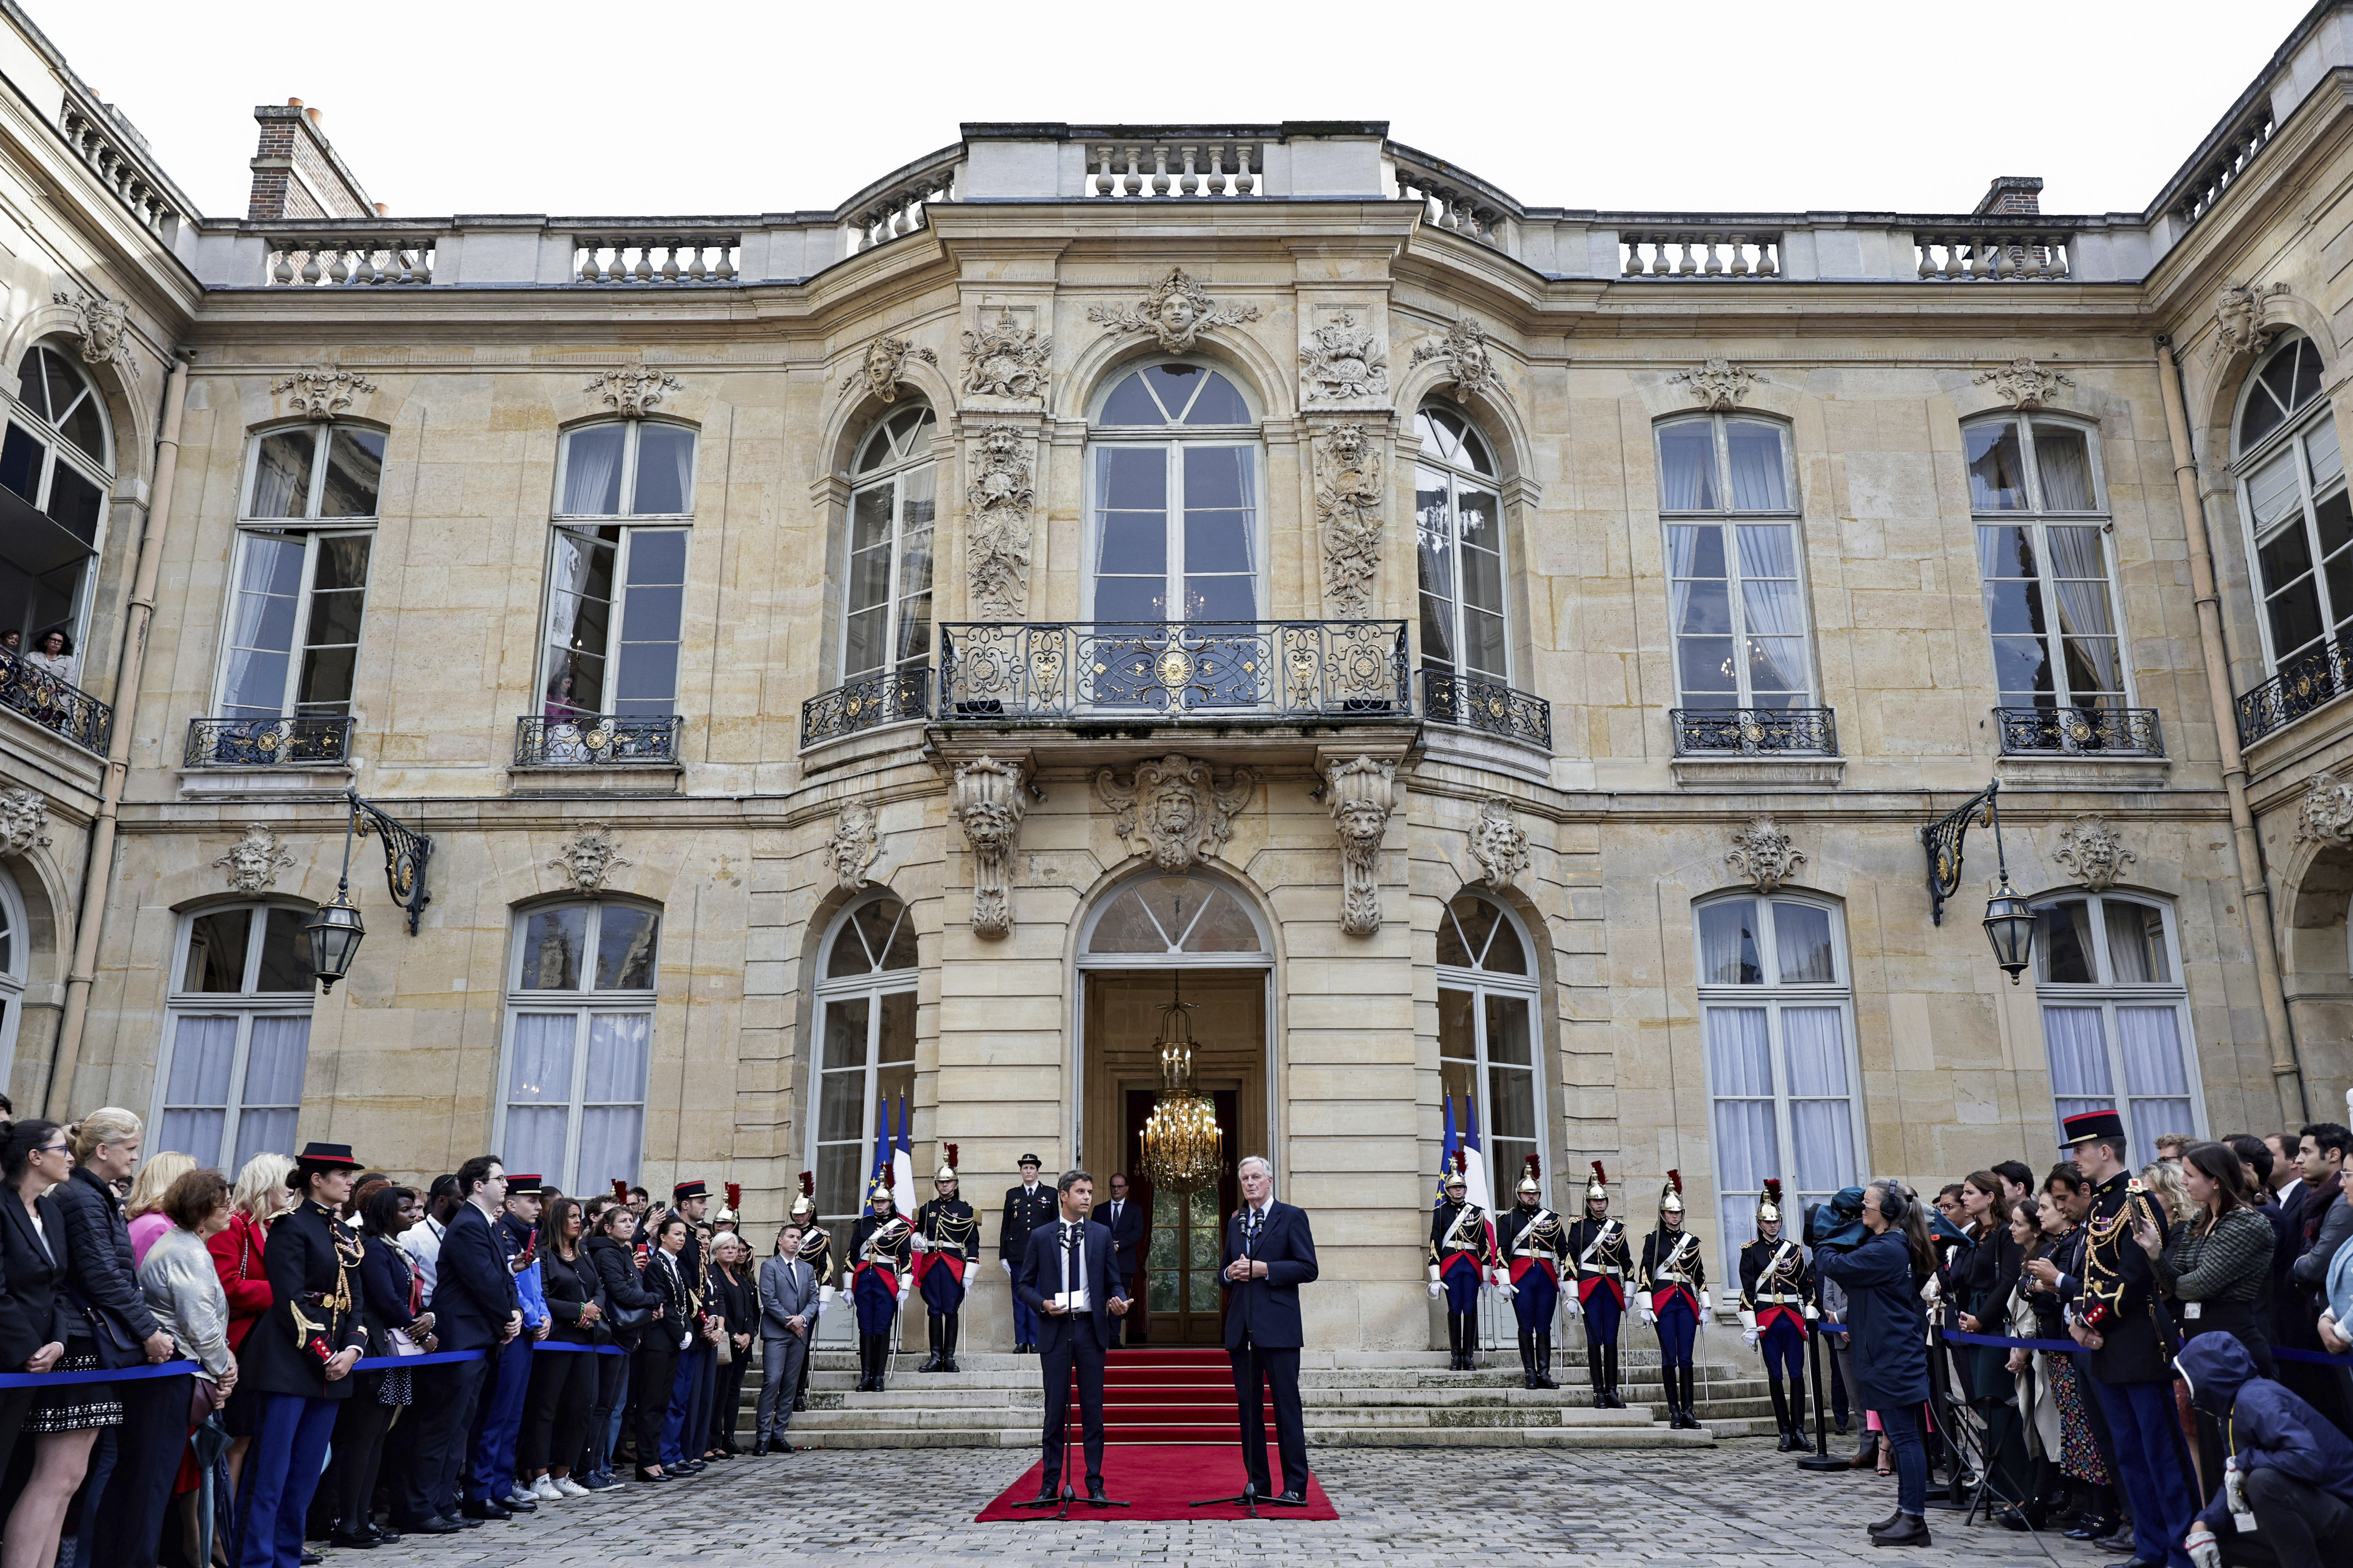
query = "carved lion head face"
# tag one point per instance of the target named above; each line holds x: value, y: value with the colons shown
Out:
x: 1360, y: 824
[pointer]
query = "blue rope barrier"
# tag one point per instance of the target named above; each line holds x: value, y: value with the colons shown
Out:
x: 2069, y: 1347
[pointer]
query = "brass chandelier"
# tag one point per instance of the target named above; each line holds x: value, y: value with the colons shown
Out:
x: 1180, y: 1136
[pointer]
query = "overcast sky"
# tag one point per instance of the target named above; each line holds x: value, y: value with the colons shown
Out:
x: 589, y: 108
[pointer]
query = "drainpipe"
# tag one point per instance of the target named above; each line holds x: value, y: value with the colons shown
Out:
x: 98, y: 874
x: 2246, y: 849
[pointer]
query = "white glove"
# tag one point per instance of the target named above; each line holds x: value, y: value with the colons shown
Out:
x: 1642, y: 1301
x: 1502, y: 1279
x: 903, y: 1295
x: 2203, y: 1553
x: 1748, y: 1324
x: 1706, y: 1310
x: 1813, y: 1314
x: 824, y: 1297
x: 1750, y: 1336
x: 1649, y: 1318
x: 1435, y: 1289
x: 1433, y: 1274
x: 1569, y: 1304
x: 1506, y: 1292
x: 918, y: 1243
x: 1006, y: 1263
x: 2234, y: 1487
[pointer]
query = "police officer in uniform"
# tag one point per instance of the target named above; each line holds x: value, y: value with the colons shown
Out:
x: 1602, y: 1261
x: 1535, y: 1245
x: 1671, y: 1291
x: 879, y: 1279
x: 1777, y: 1298
x: 1027, y: 1208
x: 817, y: 1251
x: 1462, y: 1258
x: 947, y: 1237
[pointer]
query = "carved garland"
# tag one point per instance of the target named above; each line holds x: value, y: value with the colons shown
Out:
x: 1176, y: 310
x: 1342, y: 362
x: 996, y: 548
x: 1718, y: 383
x: 2022, y: 384
x: 320, y: 394
x: 1348, y: 507
x: 632, y: 390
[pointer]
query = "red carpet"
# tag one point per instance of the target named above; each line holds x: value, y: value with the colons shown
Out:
x: 1159, y: 1481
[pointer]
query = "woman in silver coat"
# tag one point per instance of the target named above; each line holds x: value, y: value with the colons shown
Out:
x: 183, y: 1292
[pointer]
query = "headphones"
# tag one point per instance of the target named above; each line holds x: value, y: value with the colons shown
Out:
x: 1895, y: 1202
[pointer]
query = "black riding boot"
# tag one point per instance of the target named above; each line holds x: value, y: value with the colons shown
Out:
x: 1454, y: 1341
x: 1797, y: 1443
x: 1594, y: 1375
x: 1610, y: 1376
x: 1527, y: 1359
x: 1544, y: 1362
x: 1691, y: 1411
x: 932, y: 1335
x: 947, y: 1342
x: 1780, y: 1411
x: 865, y: 1364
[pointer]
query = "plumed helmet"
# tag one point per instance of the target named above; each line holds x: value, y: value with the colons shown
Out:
x: 1531, y: 1177
x: 1671, y: 1200
x: 879, y: 1187
x: 732, y: 1211
x: 946, y: 1171
x: 805, y: 1205
x: 1597, y: 1185
x: 1769, y: 1201
x: 1454, y: 1176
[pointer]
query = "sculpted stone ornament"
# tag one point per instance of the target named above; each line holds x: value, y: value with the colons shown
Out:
x: 99, y: 322
x: 23, y: 816
x: 1006, y: 360
x: 1348, y: 506
x: 1467, y: 365
x: 1719, y: 383
x: 253, y: 862
x: 1361, y: 794
x: 1175, y: 311
x: 1498, y: 844
x: 2093, y: 852
x: 2327, y: 814
x: 320, y: 394
x: 1762, y: 853
x: 988, y: 804
x: 2239, y: 324
x: 632, y: 390
x: 590, y: 857
x: 1342, y: 362
x: 883, y: 367
x: 854, y: 845
x: 2022, y: 384
x: 1175, y: 803
x: 997, y: 547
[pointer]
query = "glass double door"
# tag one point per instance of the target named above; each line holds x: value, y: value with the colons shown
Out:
x: 1182, y: 1302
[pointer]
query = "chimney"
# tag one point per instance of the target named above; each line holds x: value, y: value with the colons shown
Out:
x: 2012, y: 195
x: 296, y: 173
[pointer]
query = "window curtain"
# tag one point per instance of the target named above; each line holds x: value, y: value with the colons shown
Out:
x: 539, y: 1092
x: 274, y: 1060
x: 261, y: 634
x: 281, y: 475
x: 665, y: 470
x: 1727, y: 947
x: 1686, y: 576
x: 2066, y: 468
x: 2076, y: 1044
x: 592, y: 472
x: 196, y: 1094
x: 1748, y: 1147
x: 1760, y: 480
x: 1821, y: 1107
x: 612, y: 1121
x: 1687, y: 467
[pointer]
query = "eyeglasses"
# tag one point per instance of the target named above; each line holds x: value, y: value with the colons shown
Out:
x: 54, y: 1148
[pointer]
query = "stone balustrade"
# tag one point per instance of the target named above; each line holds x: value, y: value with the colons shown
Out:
x: 1704, y: 253
x: 2004, y: 254
x: 1453, y: 199
x: 1177, y: 169
x: 894, y: 205
x: 101, y: 147
x: 642, y: 257
x: 314, y: 261
x: 2225, y: 155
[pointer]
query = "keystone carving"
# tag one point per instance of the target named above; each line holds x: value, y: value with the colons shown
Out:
x: 253, y: 862
x: 1348, y: 508
x: 320, y: 394
x: 883, y: 367
x: 855, y: 843
x: 988, y: 804
x: 1718, y: 383
x: 1342, y: 362
x: 996, y: 546
x: 1006, y: 360
x: 2022, y: 384
x: 1763, y: 856
x: 1361, y: 794
x: 590, y: 857
x: 99, y: 322
x: 1175, y: 311
x: 1468, y: 364
x: 24, y: 813
x: 632, y: 390
x: 1498, y: 844
x: 2239, y: 324
x: 2092, y: 853
x: 1175, y: 804
x: 2327, y: 814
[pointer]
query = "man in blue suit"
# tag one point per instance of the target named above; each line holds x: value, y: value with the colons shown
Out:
x: 1124, y: 1216
x: 475, y: 1308
x: 1268, y: 1254
x: 1065, y: 1278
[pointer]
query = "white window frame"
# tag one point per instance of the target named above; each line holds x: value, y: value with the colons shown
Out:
x: 1529, y: 987
x: 585, y: 1004
x: 246, y: 1005
x: 1735, y: 1209
x: 1174, y: 439
x: 1729, y: 518
x: 631, y: 430
x: 2293, y: 431
x: 12, y: 973
x: 309, y: 516
x: 2110, y: 994
x: 99, y: 472
x: 313, y: 536
x: 1459, y: 474
x: 628, y: 523
x: 871, y: 987
x: 891, y: 472
x: 2036, y: 518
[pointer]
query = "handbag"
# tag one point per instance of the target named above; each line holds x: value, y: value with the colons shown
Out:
x: 629, y: 1319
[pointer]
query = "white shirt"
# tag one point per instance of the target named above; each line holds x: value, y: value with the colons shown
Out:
x: 2288, y: 1194
x: 422, y: 1243
x: 1075, y: 1259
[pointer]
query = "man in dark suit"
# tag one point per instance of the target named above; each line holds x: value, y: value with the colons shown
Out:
x: 1027, y: 1208
x: 1066, y: 1278
x: 476, y: 1307
x: 1269, y: 1253
x: 1124, y: 1217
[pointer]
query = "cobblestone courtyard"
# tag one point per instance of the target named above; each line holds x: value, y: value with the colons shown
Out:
x: 1742, y: 1503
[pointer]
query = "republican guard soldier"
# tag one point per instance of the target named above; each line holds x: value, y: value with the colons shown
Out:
x: 1777, y: 1299
x: 1671, y: 1291
x: 947, y: 1243
x: 1461, y: 1258
x: 1535, y: 1245
x: 1603, y: 1261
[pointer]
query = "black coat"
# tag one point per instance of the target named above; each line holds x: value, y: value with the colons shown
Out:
x: 668, y: 1287
x: 737, y: 1301
x: 102, y: 1278
x: 37, y: 1312
x: 383, y: 1269
x: 306, y: 1260
x: 1885, y: 1319
x: 473, y: 1288
x: 1025, y: 1211
x: 568, y: 1288
x: 616, y: 1272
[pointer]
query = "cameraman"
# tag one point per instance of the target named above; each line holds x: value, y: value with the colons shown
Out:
x: 1881, y: 1278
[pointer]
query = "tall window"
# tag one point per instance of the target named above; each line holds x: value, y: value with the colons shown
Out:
x: 15, y: 938
x: 2115, y: 1015
x: 617, y: 589
x: 55, y: 466
x: 237, y: 1035
x: 887, y: 618
x: 2292, y: 493
x: 2042, y: 555
x: 1458, y: 528
x: 292, y: 644
x: 866, y: 1047
x: 1487, y: 1038
x: 1738, y: 608
x: 1175, y: 495
x: 580, y: 1025
x: 1777, y: 1017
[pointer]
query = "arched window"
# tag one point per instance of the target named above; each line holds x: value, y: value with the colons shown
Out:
x: 2042, y: 558
x: 1173, y: 919
x: 2292, y: 494
x: 57, y: 460
x: 579, y: 1036
x: 1174, y: 490
x: 886, y: 621
x: 1777, y: 1017
x: 617, y: 574
x: 2115, y: 1015
x: 865, y: 1048
x: 1458, y: 527
x: 236, y: 1030
x: 1489, y: 1045
x: 1736, y: 597
x: 15, y: 938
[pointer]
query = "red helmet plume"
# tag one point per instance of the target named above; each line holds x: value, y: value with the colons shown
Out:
x: 809, y: 1185
x: 621, y: 1191
x: 735, y: 1196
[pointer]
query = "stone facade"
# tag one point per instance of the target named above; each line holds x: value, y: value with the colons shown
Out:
x: 793, y: 790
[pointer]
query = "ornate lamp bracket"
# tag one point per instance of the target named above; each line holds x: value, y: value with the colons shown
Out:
x: 406, y: 852
x: 1944, y: 838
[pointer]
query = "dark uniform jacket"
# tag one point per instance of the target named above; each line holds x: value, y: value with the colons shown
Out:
x: 1764, y: 1287
x: 1656, y: 1247
x: 35, y: 1311
x: 1598, y: 1248
x: 1476, y: 1239
x: 318, y: 1301
x: 817, y: 1251
x: 1515, y: 1240
x: 568, y: 1286
x: 2118, y: 1294
x: 949, y: 1224
x: 891, y: 1255
x: 1026, y: 1208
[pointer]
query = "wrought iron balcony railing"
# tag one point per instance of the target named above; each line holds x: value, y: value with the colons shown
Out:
x: 269, y: 742
x: 1755, y: 732
x: 1206, y: 671
x: 2087, y: 732
x: 596, y: 740
x: 867, y: 703
x: 57, y: 706
x: 2303, y: 684
x: 1451, y: 698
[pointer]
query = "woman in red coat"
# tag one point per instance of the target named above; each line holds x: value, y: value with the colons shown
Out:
x: 260, y: 1197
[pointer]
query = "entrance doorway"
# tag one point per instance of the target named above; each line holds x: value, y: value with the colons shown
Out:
x: 1183, y: 1304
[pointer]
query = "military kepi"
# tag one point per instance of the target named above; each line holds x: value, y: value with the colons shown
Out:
x: 522, y: 1184
x: 685, y: 1190
x: 338, y: 1155
x: 2094, y: 1127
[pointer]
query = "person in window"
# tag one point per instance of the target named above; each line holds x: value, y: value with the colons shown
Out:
x: 53, y: 656
x: 1882, y: 1277
x: 669, y: 1332
x: 1462, y: 1258
x: 1671, y: 1291
x: 628, y: 1308
x: 184, y: 1293
x: 735, y: 1303
x: 563, y: 1386
x: 397, y: 1325
x: 13, y: 642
